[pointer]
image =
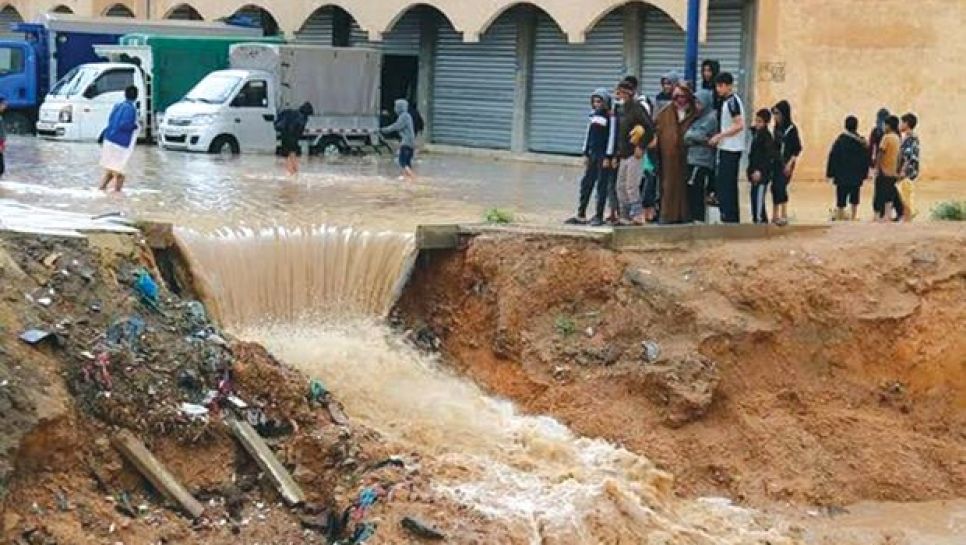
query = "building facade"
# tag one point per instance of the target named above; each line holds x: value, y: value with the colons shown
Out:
x: 516, y: 76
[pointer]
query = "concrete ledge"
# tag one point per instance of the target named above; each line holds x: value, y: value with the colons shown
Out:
x: 447, y: 237
x: 503, y: 155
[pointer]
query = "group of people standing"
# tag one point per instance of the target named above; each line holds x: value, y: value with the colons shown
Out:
x: 668, y: 160
x: 890, y: 156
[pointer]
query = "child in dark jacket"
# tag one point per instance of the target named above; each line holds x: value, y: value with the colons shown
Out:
x: 761, y: 165
x: 598, y: 150
x: 848, y: 167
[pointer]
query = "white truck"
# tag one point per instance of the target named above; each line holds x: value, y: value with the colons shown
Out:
x: 78, y: 105
x: 234, y: 110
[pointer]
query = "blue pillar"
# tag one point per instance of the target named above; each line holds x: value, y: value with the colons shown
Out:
x: 691, y: 52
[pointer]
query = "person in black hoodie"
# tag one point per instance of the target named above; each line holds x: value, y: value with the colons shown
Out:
x: 599, y: 145
x: 848, y: 167
x: 709, y: 70
x: 789, y: 148
x: 761, y: 165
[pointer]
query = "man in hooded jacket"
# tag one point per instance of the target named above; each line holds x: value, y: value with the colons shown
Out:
x: 599, y: 147
x: 848, y: 167
x: 701, y: 156
x: 407, y: 137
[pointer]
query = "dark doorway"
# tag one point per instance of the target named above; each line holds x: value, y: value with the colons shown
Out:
x: 400, y: 75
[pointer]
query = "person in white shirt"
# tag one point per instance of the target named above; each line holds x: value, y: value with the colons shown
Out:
x: 730, y: 142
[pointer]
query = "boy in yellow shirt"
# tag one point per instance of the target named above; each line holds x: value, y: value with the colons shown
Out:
x: 887, y: 170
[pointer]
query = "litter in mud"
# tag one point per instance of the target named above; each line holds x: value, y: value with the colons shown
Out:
x: 421, y: 530
x: 35, y: 336
x: 145, y: 462
x: 256, y: 447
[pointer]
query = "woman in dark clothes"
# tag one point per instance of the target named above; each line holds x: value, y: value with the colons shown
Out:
x: 789, y: 148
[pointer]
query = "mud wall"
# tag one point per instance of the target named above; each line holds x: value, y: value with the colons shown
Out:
x: 831, y: 58
x: 822, y: 369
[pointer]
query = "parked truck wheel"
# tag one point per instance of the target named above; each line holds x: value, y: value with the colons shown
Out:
x: 17, y: 123
x: 224, y: 145
x: 331, y: 146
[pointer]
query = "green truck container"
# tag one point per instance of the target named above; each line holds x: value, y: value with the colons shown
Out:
x: 171, y: 65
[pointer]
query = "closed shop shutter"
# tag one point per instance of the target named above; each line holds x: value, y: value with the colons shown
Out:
x: 564, y: 76
x: 663, y: 43
x: 184, y: 12
x: 725, y: 33
x: 662, y: 50
x: 119, y: 10
x: 8, y: 16
x: 317, y: 29
x: 473, y: 88
x: 402, y: 39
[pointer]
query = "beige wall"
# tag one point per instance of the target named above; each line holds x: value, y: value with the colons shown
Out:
x: 841, y: 57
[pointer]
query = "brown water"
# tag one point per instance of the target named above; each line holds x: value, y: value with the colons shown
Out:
x: 207, y: 193
x: 316, y: 297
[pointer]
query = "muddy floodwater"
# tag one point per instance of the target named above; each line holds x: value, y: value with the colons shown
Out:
x: 515, y: 460
x: 205, y: 192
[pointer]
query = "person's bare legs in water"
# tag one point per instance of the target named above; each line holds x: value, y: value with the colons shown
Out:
x: 292, y: 164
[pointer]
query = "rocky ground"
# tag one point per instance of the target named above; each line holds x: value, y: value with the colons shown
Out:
x: 116, y: 358
x: 822, y: 369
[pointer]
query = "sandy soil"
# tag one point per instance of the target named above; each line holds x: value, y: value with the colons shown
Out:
x: 822, y: 369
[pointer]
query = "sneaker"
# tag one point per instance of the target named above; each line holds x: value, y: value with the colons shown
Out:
x: 576, y: 220
x: 597, y: 221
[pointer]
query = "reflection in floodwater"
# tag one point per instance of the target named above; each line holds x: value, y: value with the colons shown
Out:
x: 206, y: 193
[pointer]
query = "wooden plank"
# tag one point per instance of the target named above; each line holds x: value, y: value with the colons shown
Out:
x: 149, y: 466
x: 266, y: 460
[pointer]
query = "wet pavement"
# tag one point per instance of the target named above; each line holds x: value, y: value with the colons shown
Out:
x: 206, y: 192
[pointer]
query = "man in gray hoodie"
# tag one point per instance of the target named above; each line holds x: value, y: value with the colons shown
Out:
x: 407, y: 134
x: 701, y: 156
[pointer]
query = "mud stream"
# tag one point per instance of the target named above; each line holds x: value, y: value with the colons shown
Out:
x: 317, y: 298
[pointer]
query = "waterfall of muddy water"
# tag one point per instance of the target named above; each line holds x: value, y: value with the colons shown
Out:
x: 303, y: 274
x: 528, y: 473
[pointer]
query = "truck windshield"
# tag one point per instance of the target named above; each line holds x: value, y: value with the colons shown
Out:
x: 73, y: 82
x: 213, y: 89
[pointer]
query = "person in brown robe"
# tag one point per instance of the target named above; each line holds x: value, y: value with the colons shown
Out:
x: 672, y: 122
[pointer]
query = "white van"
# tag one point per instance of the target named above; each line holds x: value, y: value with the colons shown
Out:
x: 229, y: 111
x: 79, y: 105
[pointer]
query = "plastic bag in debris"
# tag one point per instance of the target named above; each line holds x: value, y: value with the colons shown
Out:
x: 125, y: 331
x: 146, y: 287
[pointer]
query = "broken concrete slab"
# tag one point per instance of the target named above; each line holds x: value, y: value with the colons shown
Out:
x: 266, y: 459
x: 141, y: 458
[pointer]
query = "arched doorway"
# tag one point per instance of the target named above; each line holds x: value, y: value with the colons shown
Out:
x: 328, y: 25
x: 184, y: 12
x: 260, y: 17
x: 8, y: 16
x: 118, y: 10
x: 62, y: 9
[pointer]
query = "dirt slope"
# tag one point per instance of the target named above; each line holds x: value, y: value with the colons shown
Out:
x: 61, y: 481
x: 821, y: 369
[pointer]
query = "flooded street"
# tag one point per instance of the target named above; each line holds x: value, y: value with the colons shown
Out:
x: 205, y: 192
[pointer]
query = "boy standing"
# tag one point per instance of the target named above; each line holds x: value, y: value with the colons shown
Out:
x: 3, y: 135
x: 848, y: 163
x: 635, y: 132
x: 701, y: 156
x: 598, y: 148
x: 887, y: 170
x: 407, y: 136
x: 909, y: 171
x: 761, y: 164
x: 730, y: 142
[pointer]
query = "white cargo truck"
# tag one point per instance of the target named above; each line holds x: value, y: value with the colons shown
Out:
x: 234, y: 110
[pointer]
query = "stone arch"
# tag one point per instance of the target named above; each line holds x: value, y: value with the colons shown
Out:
x: 9, y: 14
x: 416, y: 6
x: 184, y: 12
x: 61, y: 8
x: 118, y: 10
x: 676, y: 10
x: 335, y: 21
x: 510, y: 6
x: 262, y: 16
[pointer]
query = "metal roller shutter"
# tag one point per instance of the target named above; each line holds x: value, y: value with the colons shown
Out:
x: 662, y: 50
x: 474, y: 84
x: 402, y: 39
x: 317, y: 29
x: 725, y: 33
x: 564, y: 76
x: 119, y: 10
x: 184, y: 12
x: 663, y: 43
x: 8, y: 16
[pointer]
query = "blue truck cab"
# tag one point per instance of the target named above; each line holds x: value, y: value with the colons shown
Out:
x: 58, y: 43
